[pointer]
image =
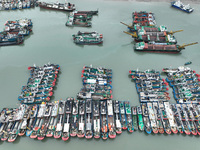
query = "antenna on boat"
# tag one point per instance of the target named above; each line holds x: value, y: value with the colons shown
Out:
x: 172, y: 32
x: 184, y: 45
x: 126, y: 25
x: 133, y: 35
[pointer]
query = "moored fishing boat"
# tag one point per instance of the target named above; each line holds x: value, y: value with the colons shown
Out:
x: 158, y: 118
x: 140, y: 118
x: 196, y: 114
x: 74, y: 120
x: 104, y: 121
x: 123, y: 115
x: 117, y: 117
x: 164, y: 118
x: 81, y: 122
x: 147, y: 125
x: 134, y: 117
x: 53, y: 119
x: 111, y: 123
x: 88, y: 124
x: 96, y: 119
x: 152, y: 118
x: 42, y: 131
x: 66, y: 126
x: 130, y: 126
x: 11, y: 39
x: 61, y: 113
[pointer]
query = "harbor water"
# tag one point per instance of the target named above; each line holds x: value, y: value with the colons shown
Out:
x: 51, y: 41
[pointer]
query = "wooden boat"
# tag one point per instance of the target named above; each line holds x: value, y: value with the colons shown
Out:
x: 147, y: 125
x: 111, y: 123
x: 104, y: 120
x: 96, y: 119
x: 152, y: 118
x: 130, y: 126
x: 81, y: 122
x: 117, y: 117
x: 123, y: 115
x: 74, y: 119
x: 88, y: 125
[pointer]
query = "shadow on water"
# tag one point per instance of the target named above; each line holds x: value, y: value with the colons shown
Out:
x: 56, y: 11
x: 52, y: 98
x: 156, y: 53
x: 17, y: 140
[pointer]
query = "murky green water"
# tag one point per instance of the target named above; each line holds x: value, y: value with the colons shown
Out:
x: 51, y: 41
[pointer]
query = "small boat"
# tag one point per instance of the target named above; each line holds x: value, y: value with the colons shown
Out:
x: 129, y: 117
x: 152, y: 118
x: 147, y: 125
x: 158, y: 118
x: 81, y: 122
x: 66, y: 126
x: 104, y: 120
x: 74, y: 120
x: 88, y: 127
x: 179, y: 5
x: 111, y: 123
x: 39, y: 121
x: 117, y: 117
x: 188, y: 63
x: 61, y: 113
x: 88, y: 38
x: 96, y: 119
x: 140, y: 118
x: 53, y: 119
x: 42, y: 131
x: 164, y: 118
x: 123, y: 115
x: 11, y: 39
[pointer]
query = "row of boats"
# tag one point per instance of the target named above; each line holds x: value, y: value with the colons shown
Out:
x: 185, y: 83
x: 62, y: 119
x: 40, y: 85
x: 16, y: 4
x: 88, y: 38
x: 150, y: 38
x: 15, y: 31
x: 96, y: 83
x: 80, y: 18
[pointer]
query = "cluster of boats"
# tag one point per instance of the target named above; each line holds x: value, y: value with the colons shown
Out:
x: 179, y: 5
x: 40, y: 85
x: 88, y: 38
x: 150, y: 86
x: 185, y: 83
x: 15, y: 31
x: 57, y: 6
x: 151, y: 38
x: 96, y: 83
x: 80, y: 18
x: 16, y: 4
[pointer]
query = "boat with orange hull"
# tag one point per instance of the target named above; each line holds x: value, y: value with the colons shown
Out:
x: 158, y: 118
x: 96, y: 119
x: 88, y: 127
x: 104, y: 120
x: 67, y: 119
x: 111, y: 123
x: 81, y: 122
x: 117, y: 117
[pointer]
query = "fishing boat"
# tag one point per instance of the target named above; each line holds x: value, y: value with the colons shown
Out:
x: 128, y: 116
x: 24, y: 124
x: 190, y: 119
x: 74, y: 119
x: 47, y: 114
x: 11, y: 39
x: 95, y: 12
x: 117, y: 117
x: 66, y: 126
x: 147, y: 125
x: 164, y: 118
x: 53, y: 119
x: 88, y: 38
x: 152, y: 118
x: 134, y: 117
x: 61, y: 113
x: 57, y: 6
x: 88, y: 125
x: 81, y: 122
x: 179, y: 5
x: 160, y: 47
x: 140, y: 118
x: 184, y: 118
x: 39, y: 121
x: 96, y: 119
x: 170, y: 117
x: 188, y: 63
x: 18, y: 122
x: 158, y: 118
x: 32, y: 120
x: 104, y: 120
x: 177, y: 117
x: 111, y: 123
x: 195, y: 111
x: 123, y: 115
